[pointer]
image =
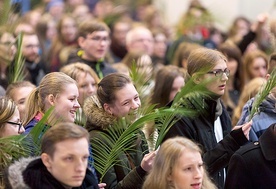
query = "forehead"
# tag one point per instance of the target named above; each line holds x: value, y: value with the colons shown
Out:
x: 29, y: 39
x: 72, y: 146
x: 220, y: 64
x: 127, y: 92
x: 98, y: 33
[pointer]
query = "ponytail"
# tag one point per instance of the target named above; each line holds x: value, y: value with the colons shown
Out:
x: 33, y: 105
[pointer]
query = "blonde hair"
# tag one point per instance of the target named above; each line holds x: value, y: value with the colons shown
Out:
x: 53, y: 83
x: 166, y: 160
x: 203, y: 59
x: 10, y: 92
x: 248, y: 61
x: 7, y: 109
x: 249, y: 91
x: 74, y: 69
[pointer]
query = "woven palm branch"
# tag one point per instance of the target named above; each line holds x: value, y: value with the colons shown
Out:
x: 263, y: 93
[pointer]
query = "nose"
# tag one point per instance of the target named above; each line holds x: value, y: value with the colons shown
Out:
x: 135, y: 105
x: 224, y: 77
x: 91, y: 90
x: 21, y: 130
x: 76, y: 105
x: 80, y: 166
x: 198, y: 174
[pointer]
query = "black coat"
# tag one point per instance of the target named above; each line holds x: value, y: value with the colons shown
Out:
x: 201, y: 130
x: 31, y: 173
x: 254, y: 165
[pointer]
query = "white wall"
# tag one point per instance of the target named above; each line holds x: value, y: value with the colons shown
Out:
x: 224, y: 11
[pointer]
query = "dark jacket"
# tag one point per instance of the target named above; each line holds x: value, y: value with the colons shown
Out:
x: 254, y: 165
x: 31, y: 173
x: 201, y: 130
x: 128, y: 174
x: 101, y: 67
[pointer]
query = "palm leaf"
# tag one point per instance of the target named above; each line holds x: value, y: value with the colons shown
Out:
x: 16, y: 72
x: 117, y: 139
x: 15, y: 147
x: 188, y: 102
x: 263, y: 93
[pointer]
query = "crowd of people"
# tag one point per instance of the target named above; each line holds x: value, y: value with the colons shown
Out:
x: 99, y: 62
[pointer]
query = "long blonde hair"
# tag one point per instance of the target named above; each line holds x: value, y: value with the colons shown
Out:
x: 53, y: 83
x: 166, y: 160
x: 249, y: 91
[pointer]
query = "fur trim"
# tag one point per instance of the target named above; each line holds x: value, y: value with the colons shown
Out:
x: 95, y: 114
x: 15, y: 171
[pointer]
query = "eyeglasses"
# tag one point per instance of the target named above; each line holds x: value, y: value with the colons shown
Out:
x: 99, y: 39
x: 18, y: 124
x: 219, y: 73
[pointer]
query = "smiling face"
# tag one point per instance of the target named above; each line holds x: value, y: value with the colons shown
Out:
x: 188, y: 171
x: 95, y: 45
x: 127, y: 102
x: 66, y: 103
x: 69, y: 162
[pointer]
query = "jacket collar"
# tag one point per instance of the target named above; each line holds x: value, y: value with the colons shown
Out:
x: 97, y: 118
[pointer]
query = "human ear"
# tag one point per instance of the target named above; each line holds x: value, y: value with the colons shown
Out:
x: 51, y: 99
x: 197, y: 78
x: 267, y: 76
x: 80, y: 41
x: 107, y: 108
x: 46, y: 160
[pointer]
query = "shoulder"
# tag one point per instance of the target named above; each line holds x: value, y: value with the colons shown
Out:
x: 15, y: 172
x: 248, y: 149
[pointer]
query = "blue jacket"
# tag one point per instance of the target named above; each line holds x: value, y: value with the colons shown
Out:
x: 265, y: 116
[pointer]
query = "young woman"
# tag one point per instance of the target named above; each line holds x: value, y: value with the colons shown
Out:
x: 168, y: 81
x: 56, y: 89
x: 117, y: 97
x: 19, y: 92
x: 211, y: 128
x: 178, y: 164
x: 255, y: 65
x: 66, y: 40
x: 10, y: 122
x: 87, y: 80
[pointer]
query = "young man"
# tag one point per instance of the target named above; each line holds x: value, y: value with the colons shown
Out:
x: 94, y: 42
x: 62, y: 164
x: 34, y: 67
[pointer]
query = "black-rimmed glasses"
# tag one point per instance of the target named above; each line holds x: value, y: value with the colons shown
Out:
x: 18, y: 124
x: 219, y: 73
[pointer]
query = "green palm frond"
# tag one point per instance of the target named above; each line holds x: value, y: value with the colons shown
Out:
x: 118, y: 139
x: 16, y: 72
x: 263, y: 93
x: 80, y: 118
x: 15, y: 147
x: 188, y: 102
